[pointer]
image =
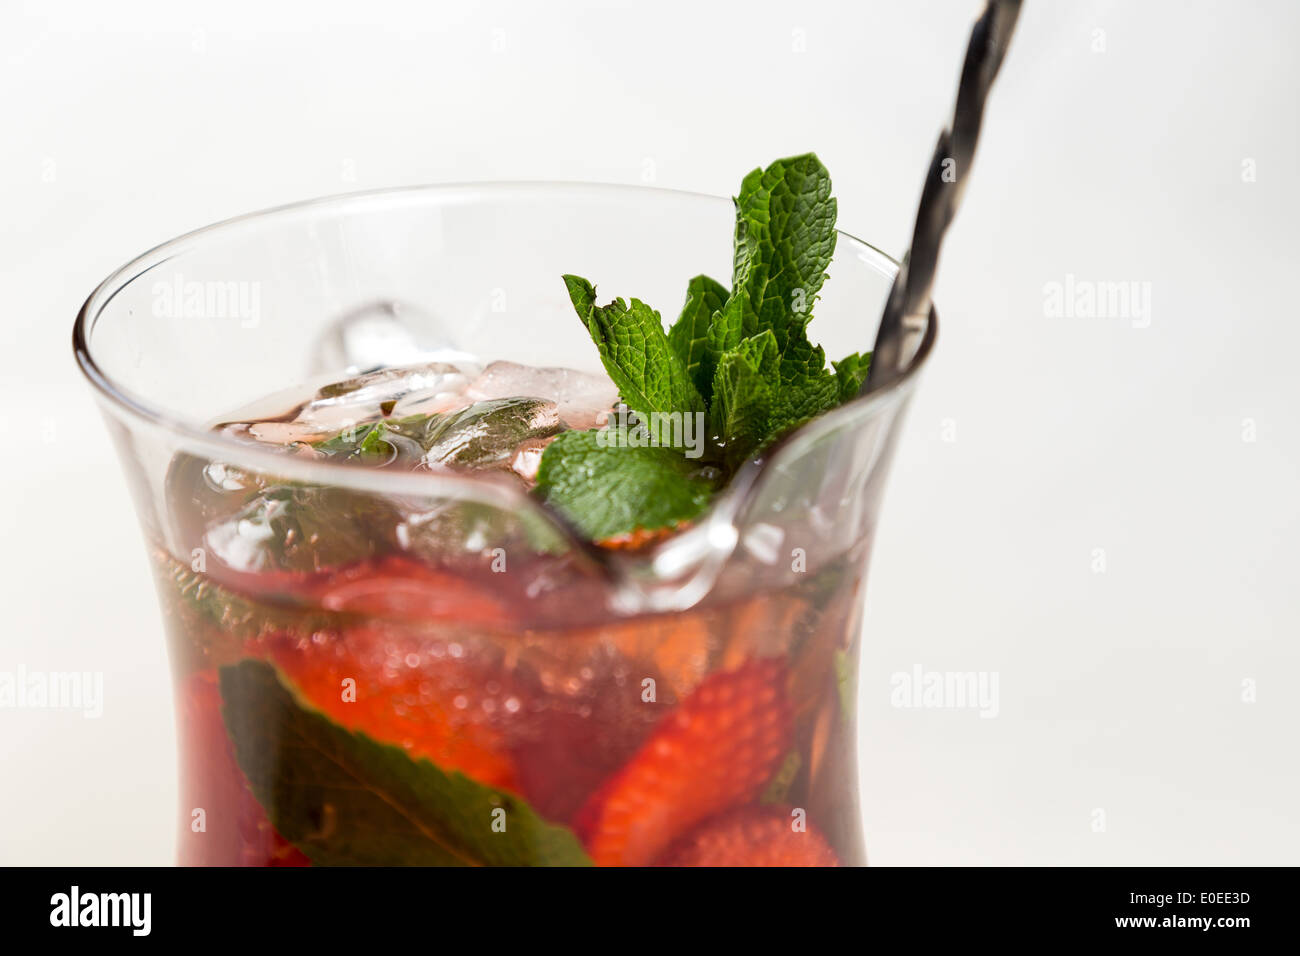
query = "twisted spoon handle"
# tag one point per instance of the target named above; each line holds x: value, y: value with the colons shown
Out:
x: 907, y: 311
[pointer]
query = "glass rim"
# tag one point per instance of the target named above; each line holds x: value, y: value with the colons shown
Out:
x: 122, y: 402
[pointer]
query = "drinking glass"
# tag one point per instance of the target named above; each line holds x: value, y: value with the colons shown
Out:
x: 458, y: 677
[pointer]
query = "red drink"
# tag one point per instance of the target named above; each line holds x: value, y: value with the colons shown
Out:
x: 430, y: 616
x: 413, y: 682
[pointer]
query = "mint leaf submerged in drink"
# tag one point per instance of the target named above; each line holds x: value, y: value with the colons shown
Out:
x: 344, y: 799
x: 738, y: 361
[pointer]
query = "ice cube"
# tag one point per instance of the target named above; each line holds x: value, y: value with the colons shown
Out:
x: 392, y: 392
x: 287, y: 433
x: 381, y: 334
x: 580, y: 397
x: 528, y: 458
x: 489, y: 434
x: 302, y: 528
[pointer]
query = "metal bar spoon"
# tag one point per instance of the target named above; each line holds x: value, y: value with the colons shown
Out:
x: 907, y: 311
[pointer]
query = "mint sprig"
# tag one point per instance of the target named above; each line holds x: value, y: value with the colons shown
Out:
x: 344, y: 799
x: 741, y: 357
x: 784, y: 240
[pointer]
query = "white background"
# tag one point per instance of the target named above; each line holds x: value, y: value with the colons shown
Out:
x: 1115, y: 150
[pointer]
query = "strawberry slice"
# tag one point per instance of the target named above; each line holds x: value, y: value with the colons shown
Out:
x: 428, y: 696
x: 236, y: 831
x: 754, y: 836
x: 716, y: 750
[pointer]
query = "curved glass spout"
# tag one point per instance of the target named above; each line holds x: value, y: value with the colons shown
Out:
x: 477, y: 633
x: 811, y: 499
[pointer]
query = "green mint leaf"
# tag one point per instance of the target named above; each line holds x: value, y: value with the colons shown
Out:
x: 375, y: 444
x: 851, y: 372
x: 785, y: 237
x: 607, y: 490
x: 364, y: 443
x: 634, y: 349
x: 744, y: 393
x: 730, y: 325
x: 689, y: 335
x: 807, y: 388
x: 760, y: 396
x: 344, y: 799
